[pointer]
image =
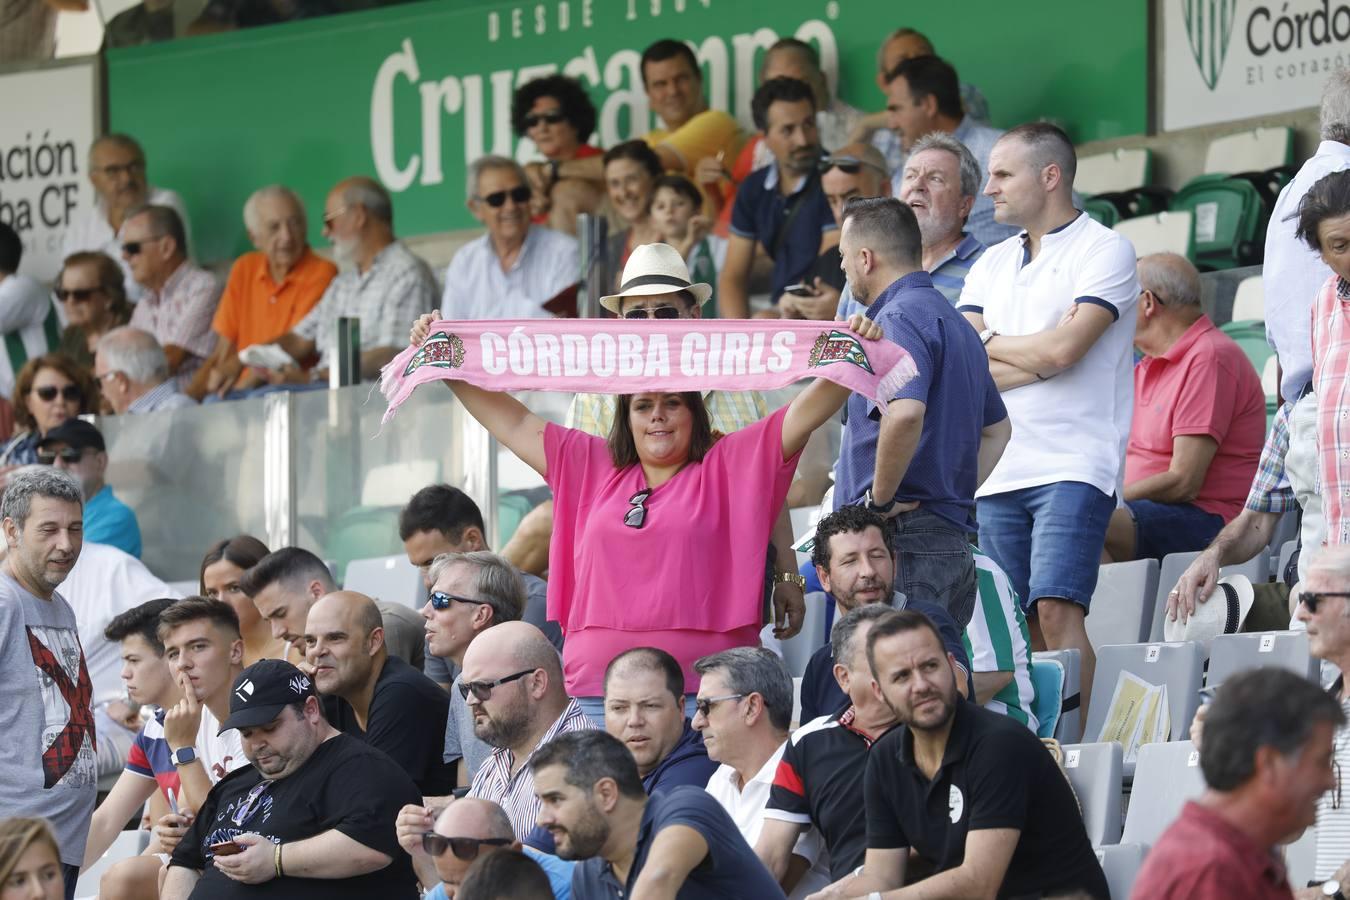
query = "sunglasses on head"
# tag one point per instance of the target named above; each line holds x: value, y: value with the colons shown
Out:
x: 658, y: 312
x: 497, y: 199
x: 442, y: 600
x: 546, y: 118
x: 849, y: 165
x: 1311, y: 599
x: 483, y: 689
x: 68, y: 455
x: 48, y: 393
x: 464, y: 848
x: 637, y: 516
x: 79, y: 295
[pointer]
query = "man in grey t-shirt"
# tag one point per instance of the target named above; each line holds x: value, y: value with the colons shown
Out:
x: 470, y: 592
x: 47, y: 760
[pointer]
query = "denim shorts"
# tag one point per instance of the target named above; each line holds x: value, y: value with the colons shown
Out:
x: 1163, y: 528
x: 1048, y: 539
x: 934, y: 563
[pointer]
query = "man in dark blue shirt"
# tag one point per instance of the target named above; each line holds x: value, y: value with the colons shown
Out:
x: 780, y: 209
x: 942, y: 433
x: 680, y: 840
x: 644, y: 708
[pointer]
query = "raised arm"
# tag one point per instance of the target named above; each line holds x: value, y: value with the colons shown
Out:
x: 505, y: 417
x: 821, y: 399
x: 674, y: 853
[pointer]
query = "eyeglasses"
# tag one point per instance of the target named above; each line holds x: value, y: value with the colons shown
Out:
x: 483, y: 689
x: 133, y: 248
x: 1157, y: 298
x: 519, y: 195
x: 68, y: 455
x: 330, y: 218
x: 637, y: 516
x: 79, y: 295
x: 106, y: 375
x: 849, y: 165
x: 704, y: 705
x: 658, y: 312
x: 1311, y: 599
x: 464, y: 848
x: 546, y: 118
x: 442, y: 600
x: 131, y: 168
x: 48, y: 393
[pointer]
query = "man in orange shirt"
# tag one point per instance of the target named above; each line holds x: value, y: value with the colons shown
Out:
x: 269, y: 291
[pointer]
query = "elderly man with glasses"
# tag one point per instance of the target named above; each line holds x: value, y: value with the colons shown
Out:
x: 517, y: 270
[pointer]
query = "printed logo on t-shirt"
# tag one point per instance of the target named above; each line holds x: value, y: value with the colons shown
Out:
x: 67, y: 712
x: 956, y: 804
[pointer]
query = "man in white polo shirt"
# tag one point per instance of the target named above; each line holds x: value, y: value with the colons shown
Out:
x: 1054, y: 306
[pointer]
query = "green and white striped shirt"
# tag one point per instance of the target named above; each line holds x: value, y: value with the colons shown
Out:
x: 997, y: 640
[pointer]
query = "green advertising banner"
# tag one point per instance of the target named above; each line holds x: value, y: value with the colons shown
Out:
x: 409, y: 93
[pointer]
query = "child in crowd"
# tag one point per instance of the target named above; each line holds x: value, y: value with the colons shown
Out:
x: 675, y: 207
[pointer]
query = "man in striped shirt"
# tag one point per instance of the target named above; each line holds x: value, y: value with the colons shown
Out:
x: 999, y: 645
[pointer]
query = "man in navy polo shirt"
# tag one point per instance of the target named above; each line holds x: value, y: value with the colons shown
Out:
x: 973, y: 794
x: 678, y: 842
x: 780, y: 209
x: 942, y: 433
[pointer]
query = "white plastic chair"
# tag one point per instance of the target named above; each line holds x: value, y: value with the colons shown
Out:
x: 390, y: 578
x: 1164, y: 232
x: 1249, y: 303
x: 1255, y: 150
x: 1119, y: 170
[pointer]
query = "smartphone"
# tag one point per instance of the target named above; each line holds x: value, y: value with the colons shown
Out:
x: 800, y: 289
x: 226, y: 848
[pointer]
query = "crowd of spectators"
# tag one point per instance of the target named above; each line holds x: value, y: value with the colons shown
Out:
x: 602, y: 709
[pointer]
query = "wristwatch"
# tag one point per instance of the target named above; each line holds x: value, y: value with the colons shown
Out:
x: 874, y: 506
x: 1332, y: 889
x: 987, y: 335
x: 790, y: 578
x: 183, y: 756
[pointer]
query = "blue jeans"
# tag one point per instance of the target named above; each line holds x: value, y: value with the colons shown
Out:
x: 1048, y: 539
x: 1163, y: 528
x: 934, y: 563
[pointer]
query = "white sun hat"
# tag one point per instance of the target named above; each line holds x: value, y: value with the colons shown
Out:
x: 655, y: 269
x: 1222, y: 612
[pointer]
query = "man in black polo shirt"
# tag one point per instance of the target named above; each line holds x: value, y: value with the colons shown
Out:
x: 780, y: 209
x: 974, y: 794
x: 820, y: 777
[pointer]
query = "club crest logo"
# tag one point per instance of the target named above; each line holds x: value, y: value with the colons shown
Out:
x: 1209, y: 29
x: 839, y: 346
x: 299, y: 684
x: 244, y: 691
x: 444, y: 351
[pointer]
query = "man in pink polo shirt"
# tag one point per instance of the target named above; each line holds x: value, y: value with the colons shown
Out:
x: 1199, y: 422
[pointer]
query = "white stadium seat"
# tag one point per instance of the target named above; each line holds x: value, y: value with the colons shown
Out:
x: 1119, y: 170
x: 1179, y: 666
x: 1095, y: 772
x: 1164, y: 232
x: 390, y: 578
x: 1121, y: 864
x: 1249, y: 303
x: 1167, y: 776
x: 1122, y: 604
x: 1248, y: 151
x: 1233, y: 653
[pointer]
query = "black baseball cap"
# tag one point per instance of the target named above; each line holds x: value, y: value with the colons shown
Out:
x: 76, y: 434
x: 263, y: 690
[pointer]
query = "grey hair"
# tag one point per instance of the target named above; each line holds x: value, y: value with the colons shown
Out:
x: 754, y: 670
x: 125, y: 141
x: 846, y: 629
x: 134, y: 353
x: 371, y: 196
x: 1333, y: 560
x: 1172, y: 278
x: 270, y: 192
x: 1335, y: 115
x: 37, y: 481
x: 966, y: 161
x: 496, y: 582
x: 483, y: 164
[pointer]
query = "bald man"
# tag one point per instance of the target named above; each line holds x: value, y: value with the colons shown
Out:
x: 370, y: 694
x: 1199, y: 422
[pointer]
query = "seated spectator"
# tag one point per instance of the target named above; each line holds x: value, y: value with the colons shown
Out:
x: 644, y: 708
x: 381, y: 282
x: 780, y: 210
x: 517, y: 270
x: 48, y: 390
x: 556, y: 113
x: 925, y: 96
x: 593, y: 804
x: 674, y: 84
x: 1268, y: 757
x: 117, y: 172
x: 1199, y: 422
x: 511, y: 875
x: 470, y: 592
x: 268, y: 293
x: 941, y: 183
x: 819, y: 781
x: 330, y: 803
x: 900, y: 45
x: 854, y: 170
x: 78, y: 448
x: 856, y: 566
x: 222, y: 568
x: 675, y: 213
x: 744, y: 714
x: 30, y: 860
x: 150, y: 22
x: 631, y: 171
x: 469, y: 830
x: 1011, y: 826
x: 92, y: 292
x: 512, y: 682
x: 373, y: 695
x: 28, y: 321
x: 133, y: 372
x: 287, y: 582
x: 179, y: 298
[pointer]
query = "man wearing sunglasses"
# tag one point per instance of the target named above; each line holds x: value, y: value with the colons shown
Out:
x: 467, y: 831
x: 517, y: 269
x: 27, y: 313
x: 78, y: 448
x: 133, y: 373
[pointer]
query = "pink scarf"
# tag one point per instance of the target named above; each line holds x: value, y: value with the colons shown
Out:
x: 620, y: 356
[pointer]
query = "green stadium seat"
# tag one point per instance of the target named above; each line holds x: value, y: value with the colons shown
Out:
x: 1102, y: 210
x: 1228, y: 222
